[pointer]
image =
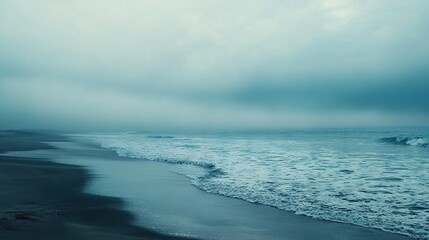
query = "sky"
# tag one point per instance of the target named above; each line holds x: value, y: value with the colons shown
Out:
x: 183, y: 64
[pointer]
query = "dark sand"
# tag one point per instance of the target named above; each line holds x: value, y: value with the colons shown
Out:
x: 40, y: 199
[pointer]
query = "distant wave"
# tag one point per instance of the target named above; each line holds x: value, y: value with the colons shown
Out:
x: 406, y: 141
x: 160, y: 137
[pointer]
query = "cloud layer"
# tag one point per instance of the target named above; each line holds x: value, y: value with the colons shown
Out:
x: 108, y: 65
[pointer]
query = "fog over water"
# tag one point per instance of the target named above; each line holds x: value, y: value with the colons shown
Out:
x: 126, y: 65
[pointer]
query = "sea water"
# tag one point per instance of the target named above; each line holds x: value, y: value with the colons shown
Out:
x: 370, y: 177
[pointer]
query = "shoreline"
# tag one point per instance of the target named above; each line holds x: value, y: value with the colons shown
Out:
x: 171, y: 204
x: 43, y: 199
x: 174, y: 206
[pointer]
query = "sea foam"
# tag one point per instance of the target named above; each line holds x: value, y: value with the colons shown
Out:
x: 333, y: 176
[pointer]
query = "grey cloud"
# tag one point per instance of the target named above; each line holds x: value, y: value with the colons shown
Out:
x: 406, y: 94
x: 136, y: 64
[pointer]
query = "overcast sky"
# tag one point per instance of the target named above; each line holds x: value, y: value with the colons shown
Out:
x: 135, y: 65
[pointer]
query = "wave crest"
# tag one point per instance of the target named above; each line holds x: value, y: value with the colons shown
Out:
x: 406, y: 141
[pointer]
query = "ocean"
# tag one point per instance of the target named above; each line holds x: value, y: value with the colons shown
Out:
x: 376, y: 178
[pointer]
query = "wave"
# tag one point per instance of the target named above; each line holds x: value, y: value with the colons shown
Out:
x: 406, y: 141
x: 212, y: 169
x: 160, y: 137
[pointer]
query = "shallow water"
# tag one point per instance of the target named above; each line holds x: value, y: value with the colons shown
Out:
x: 371, y: 177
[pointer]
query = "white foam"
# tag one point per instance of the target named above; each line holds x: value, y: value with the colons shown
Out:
x: 417, y: 142
x: 353, y: 181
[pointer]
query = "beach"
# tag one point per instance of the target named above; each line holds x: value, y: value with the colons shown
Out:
x: 41, y: 199
x: 66, y: 189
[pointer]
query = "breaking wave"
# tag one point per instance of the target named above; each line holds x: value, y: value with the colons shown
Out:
x: 406, y: 141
